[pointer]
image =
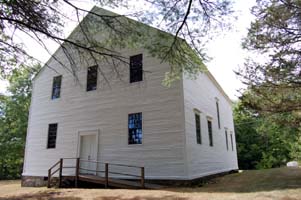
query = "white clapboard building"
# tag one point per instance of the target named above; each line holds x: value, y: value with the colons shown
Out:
x: 182, y: 132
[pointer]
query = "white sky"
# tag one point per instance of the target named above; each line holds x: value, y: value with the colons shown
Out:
x: 225, y: 50
x: 227, y: 53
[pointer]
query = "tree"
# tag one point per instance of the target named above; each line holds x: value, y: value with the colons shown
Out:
x: 13, y: 121
x: 192, y: 20
x: 249, y: 142
x: 273, y: 75
x: 262, y: 142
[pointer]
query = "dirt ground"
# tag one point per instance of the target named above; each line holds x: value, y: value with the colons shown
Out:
x: 281, y: 183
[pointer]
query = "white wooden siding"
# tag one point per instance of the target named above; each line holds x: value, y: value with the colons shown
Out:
x: 166, y: 152
x: 169, y: 149
x: 106, y: 110
x: 202, y: 159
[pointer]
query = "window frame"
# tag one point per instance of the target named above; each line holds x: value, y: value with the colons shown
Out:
x: 52, y: 88
x: 128, y: 129
x: 231, y: 136
x: 132, y: 81
x: 218, y: 113
x: 48, y: 136
x: 87, y: 78
x: 198, y: 126
x: 226, y: 139
x: 210, y: 133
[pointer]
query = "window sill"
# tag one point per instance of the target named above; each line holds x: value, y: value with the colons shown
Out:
x: 133, y: 145
x: 55, y: 100
x: 136, y: 83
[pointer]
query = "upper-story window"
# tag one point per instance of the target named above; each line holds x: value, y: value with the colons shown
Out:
x: 218, y: 116
x: 209, y: 122
x: 136, y: 68
x: 198, y: 128
x: 135, y: 128
x: 52, y: 131
x: 56, y: 87
x: 92, y: 78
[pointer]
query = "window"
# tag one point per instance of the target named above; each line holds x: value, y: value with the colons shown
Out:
x: 198, y: 128
x: 135, y: 128
x: 92, y: 78
x: 226, y: 136
x: 52, y: 130
x: 136, y: 68
x: 231, y: 141
x: 218, y: 117
x: 210, y: 132
x: 56, y: 87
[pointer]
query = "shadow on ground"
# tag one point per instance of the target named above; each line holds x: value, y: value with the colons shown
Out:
x: 56, y: 196
x: 167, y: 197
x: 235, y: 185
x: 40, y: 196
x: 251, y: 181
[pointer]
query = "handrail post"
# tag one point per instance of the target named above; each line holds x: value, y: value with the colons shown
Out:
x: 142, y: 177
x: 76, y: 172
x: 49, y: 178
x: 107, y: 175
x: 61, y: 172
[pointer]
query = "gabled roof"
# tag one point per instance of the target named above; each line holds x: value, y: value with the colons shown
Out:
x: 97, y: 9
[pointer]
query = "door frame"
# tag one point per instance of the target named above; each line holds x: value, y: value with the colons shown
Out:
x: 81, y: 133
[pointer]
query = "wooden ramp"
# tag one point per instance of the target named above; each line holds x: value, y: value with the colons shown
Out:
x: 136, y: 181
x: 117, y: 183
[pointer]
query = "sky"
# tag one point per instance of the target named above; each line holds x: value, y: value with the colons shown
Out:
x: 227, y: 53
x: 225, y: 50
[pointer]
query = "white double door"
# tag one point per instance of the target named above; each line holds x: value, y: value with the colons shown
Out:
x: 88, y: 154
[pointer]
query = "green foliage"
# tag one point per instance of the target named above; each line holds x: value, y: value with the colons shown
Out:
x: 273, y: 95
x: 249, y: 142
x: 264, y: 141
x: 296, y: 147
x: 24, y: 16
x: 127, y: 33
x: 273, y: 74
x: 13, y: 121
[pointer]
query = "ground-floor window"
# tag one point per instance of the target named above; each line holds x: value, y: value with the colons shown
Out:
x: 231, y: 141
x: 226, y: 136
x: 198, y: 128
x: 135, y: 128
x: 210, y: 132
x: 52, y: 132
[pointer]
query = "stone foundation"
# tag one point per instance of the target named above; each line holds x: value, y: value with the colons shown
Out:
x: 38, y: 181
x: 190, y: 183
x: 33, y: 181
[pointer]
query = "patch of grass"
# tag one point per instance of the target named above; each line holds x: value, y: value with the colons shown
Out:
x: 279, y: 184
x: 258, y: 180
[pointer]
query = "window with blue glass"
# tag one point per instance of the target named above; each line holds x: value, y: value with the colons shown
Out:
x: 135, y: 128
x: 56, y: 87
